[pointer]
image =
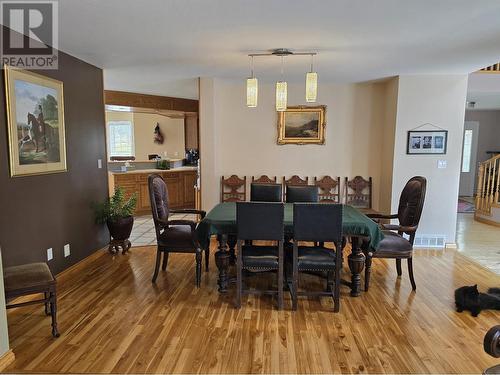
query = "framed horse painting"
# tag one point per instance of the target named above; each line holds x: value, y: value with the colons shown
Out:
x: 35, y: 118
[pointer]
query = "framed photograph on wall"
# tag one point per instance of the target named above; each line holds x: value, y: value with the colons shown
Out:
x: 302, y: 125
x: 427, y: 142
x: 35, y: 120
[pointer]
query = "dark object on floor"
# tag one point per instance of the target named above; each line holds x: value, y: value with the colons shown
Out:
x: 491, y: 345
x: 395, y: 245
x: 468, y: 298
x: 33, y: 278
x: 173, y: 236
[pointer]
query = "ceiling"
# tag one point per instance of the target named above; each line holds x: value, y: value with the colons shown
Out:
x: 162, y: 46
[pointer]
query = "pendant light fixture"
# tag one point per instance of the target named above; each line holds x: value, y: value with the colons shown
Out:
x: 281, y: 90
x: 311, y: 84
x: 252, y: 88
x: 281, y: 85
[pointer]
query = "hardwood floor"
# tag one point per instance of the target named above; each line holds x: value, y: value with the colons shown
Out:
x: 112, y: 319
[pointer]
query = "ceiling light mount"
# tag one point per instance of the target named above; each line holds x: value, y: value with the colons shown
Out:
x: 283, y: 52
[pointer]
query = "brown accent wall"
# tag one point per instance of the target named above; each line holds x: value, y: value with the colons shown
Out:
x: 39, y: 212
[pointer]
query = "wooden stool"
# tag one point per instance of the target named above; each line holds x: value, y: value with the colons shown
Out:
x: 29, y: 279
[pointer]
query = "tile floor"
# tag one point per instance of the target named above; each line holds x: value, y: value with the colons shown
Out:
x: 143, y: 233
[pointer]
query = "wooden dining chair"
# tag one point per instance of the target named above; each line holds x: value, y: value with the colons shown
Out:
x: 317, y: 223
x: 394, y: 245
x: 296, y: 194
x: 259, y: 221
x: 294, y: 181
x: 264, y: 179
x: 265, y: 192
x: 358, y: 192
x: 173, y: 236
x: 233, y: 189
x: 329, y: 189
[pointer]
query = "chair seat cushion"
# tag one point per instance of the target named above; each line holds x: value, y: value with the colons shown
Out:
x: 27, y: 276
x: 177, y: 237
x: 260, y: 257
x: 314, y: 258
x: 393, y: 246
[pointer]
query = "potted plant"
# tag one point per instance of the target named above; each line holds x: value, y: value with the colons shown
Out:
x: 117, y: 212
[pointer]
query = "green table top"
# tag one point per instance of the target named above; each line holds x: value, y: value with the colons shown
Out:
x: 222, y: 220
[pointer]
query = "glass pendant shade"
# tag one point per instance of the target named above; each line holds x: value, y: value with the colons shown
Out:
x: 281, y: 96
x: 252, y: 92
x: 311, y: 87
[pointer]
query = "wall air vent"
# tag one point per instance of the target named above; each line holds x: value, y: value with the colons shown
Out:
x: 491, y: 69
x: 430, y: 241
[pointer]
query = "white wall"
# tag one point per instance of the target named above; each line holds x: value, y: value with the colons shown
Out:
x: 489, y: 131
x: 4, y: 334
x: 144, y: 125
x: 240, y: 140
x: 438, y: 100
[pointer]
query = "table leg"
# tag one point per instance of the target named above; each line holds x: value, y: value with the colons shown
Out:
x: 222, y: 259
x: 356, y: 262
x: 231, y: 241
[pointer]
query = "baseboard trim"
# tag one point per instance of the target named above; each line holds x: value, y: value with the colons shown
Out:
x: 486, y: 221
x: 91, y: 257
x: 7, y: 359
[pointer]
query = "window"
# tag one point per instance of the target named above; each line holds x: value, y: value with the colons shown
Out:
x: 121, y: 138
x: 466, y: 154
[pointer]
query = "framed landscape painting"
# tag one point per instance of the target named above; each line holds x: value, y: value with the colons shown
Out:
x: 302, y: 125
x: 427, y: 142
x: 35, y: 120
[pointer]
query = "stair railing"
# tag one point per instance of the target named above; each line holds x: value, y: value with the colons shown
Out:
x: 488, y: 185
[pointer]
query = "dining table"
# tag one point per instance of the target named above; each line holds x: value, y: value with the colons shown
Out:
x: 363, y: 233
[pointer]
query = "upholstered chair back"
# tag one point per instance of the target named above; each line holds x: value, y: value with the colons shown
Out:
x: 158, y: 195
x: 411, y: 201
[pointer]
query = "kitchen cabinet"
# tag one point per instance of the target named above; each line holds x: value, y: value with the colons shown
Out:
x: 180, y: 185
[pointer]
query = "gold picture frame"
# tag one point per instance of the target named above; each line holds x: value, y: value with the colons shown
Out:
x: 35, y: 121
x: 302, y: 125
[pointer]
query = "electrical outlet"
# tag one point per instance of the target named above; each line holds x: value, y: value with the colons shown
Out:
x: 49, y: 254
x: 67, y: 251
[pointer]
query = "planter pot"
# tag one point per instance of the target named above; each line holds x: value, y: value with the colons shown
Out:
x: 120, y: 229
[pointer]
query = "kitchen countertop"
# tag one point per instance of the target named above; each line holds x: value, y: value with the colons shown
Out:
x: 154, y: 170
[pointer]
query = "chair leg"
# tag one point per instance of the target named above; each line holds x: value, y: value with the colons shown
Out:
x: 207, y: 259
x: 239, y: 281
x: 336, y: 292
x: 368, y: 271
x: 280, y: 276
x: 157, y: 265
x: 46, y: 295
x: 198, y: 267
x: 295, y: 279
x: 53, y: 311
x: 398, y: 267
x: 410, y: 271
x: 165, y: 261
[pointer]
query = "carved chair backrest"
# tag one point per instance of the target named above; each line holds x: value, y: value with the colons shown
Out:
x: 264, y: 179
x: 233, y: 189
x: 293, y: 181
x: 329, y: 189
x: 358, y: 192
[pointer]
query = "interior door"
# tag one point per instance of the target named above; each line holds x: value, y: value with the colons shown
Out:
x: 469, y: 159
